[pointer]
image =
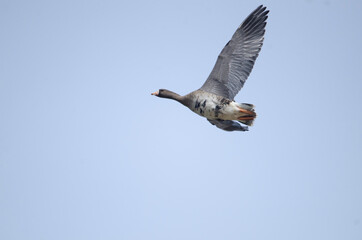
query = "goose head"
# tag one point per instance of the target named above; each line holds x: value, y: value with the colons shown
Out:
x: 164, y: 93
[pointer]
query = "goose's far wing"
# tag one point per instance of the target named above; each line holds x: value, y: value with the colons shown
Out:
x: 236, y: 60
x: 227, y: 125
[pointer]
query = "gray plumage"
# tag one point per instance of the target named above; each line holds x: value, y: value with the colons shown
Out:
x: 237, y: 59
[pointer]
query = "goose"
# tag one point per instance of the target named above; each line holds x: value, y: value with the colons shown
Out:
x: 215, y: 99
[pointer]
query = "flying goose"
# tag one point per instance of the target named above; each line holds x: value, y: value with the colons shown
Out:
x: 215, y: 99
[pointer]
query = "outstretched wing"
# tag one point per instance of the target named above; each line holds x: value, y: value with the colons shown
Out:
x: 236, y: 60
x: 227, y: 125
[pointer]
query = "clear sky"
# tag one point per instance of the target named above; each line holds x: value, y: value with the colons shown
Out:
x: 87, y: 153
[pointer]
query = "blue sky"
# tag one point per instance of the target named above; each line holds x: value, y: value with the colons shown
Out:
x: 87, y: 153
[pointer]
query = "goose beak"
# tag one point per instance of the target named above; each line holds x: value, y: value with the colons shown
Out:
x: 155, y: 93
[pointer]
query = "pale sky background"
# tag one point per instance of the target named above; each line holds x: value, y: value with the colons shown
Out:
x: 87, y: 153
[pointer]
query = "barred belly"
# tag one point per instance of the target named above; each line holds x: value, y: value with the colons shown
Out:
x: 213, y: 107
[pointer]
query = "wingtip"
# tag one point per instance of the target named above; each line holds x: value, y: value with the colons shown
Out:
x: 260, y: 10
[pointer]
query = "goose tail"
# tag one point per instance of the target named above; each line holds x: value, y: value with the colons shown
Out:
x: 247, y: 113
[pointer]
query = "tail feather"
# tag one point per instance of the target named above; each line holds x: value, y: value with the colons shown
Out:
x: 247, y: 118
x: 247, y: 106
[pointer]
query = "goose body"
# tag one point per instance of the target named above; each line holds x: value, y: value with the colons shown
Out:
x: 215, y: 99
x: 213, y: 106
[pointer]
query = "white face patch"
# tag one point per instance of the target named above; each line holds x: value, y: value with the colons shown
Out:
x: 155, y: 93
